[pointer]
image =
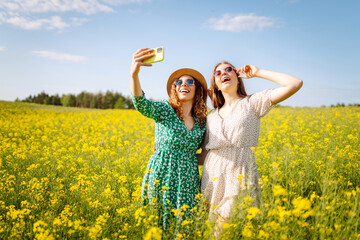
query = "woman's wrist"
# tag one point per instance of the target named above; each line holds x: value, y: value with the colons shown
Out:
x: 134, y: 73
x: 259, y: 73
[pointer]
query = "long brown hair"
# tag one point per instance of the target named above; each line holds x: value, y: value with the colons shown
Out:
x: 216, y: 95
x: 199, y: 108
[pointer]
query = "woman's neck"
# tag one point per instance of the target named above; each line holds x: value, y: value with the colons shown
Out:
x: 187, y: 107
x: 230, y: 98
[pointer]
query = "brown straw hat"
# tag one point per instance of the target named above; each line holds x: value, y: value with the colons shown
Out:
x: 186, y: 71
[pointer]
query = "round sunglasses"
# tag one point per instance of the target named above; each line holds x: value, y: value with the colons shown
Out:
x: 189, y: 82
x: 218, y: 72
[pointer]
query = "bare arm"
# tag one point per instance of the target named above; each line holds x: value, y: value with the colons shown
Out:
x: 201, y: 156
x: 137, y: 62
x: 289, y: 84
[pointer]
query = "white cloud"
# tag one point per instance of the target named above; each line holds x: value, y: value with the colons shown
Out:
x: 25, y: 13
x: 29, y: 14
x: 54, y: 22
x: 2, y: 17
x: 2, y: 48
x: 117, y: 2
x: 240, y: 23
x: 43, y: 6
x: 78, y: 21
x: 59, y: 56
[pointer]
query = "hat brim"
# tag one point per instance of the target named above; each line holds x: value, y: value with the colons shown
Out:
x: 186, y: 71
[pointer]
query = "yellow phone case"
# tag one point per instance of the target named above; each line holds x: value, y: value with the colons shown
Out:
x: 159, y: 55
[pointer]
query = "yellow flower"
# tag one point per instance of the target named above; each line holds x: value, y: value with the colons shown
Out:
x: 274, y: 225
x: 95, y: 231
x: 198, y: 196
x: 302, y: 207
x: 337, y: 227
x: 240, y: 176
x: 175, y: 211
x: 248, y: 199
x: 263, y: 234
x: 282, y: 236
x: 57, y: 221
x: 41, y: 233
x: 69, y: 155
x: 247, y: 231
x: 153, y: 233
x: 121, y: 211
x: 274, y: 165
x: 228, y: 225
x: 186, y: 222
x: 180, y: 236
x: 253, y: 211
x: 279, y: 191
x: 348, y: 194
x: 282, y: 213
x: 214, y: 178
x: 184, y: 207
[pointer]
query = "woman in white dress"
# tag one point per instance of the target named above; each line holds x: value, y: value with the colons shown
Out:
x: 232, y: 130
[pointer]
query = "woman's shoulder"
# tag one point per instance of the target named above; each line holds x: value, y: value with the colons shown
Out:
x: 142, y: 100
x: 257, y: 96
x: 162, y: 105
x: 260, y: 93
x: 260, y: 102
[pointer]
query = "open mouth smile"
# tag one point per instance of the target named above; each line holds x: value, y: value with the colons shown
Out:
x: 225, y: 79
x: 183, y: 90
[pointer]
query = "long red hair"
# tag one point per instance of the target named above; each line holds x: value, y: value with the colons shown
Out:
x: 199, y: 108
x: 216, y: 95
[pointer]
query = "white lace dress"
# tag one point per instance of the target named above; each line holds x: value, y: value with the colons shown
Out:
x: 230, y: 156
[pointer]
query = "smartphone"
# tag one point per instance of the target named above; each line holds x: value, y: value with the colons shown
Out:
x: 159, y: 55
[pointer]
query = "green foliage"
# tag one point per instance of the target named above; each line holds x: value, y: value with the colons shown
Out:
x: 68, y: 100
x: 109, y: 100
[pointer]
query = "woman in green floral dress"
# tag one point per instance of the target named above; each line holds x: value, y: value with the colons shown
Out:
x: 172, y: 176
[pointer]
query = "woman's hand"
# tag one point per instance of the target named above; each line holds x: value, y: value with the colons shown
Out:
x: 250, y: 71
x: 138, y: 58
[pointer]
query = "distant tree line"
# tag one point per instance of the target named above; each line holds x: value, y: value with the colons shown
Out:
x: 84, y: 99
x: 344, y: 105
x: 108, y: 100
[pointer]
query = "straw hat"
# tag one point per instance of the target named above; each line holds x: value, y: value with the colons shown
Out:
x: 186, y: 71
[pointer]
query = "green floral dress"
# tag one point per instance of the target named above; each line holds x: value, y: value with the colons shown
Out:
x: 172, y: 174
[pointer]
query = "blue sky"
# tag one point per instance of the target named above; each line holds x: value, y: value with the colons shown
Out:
x: 64, y: 46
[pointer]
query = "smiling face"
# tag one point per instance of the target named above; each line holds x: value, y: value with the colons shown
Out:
x: 185, y: 91
x: 227, y: 80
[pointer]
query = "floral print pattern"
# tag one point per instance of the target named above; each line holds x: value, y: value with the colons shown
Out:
x: 230, y: 163
x: 172, y: 174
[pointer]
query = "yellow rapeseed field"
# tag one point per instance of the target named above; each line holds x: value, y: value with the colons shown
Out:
x: 69, y: 173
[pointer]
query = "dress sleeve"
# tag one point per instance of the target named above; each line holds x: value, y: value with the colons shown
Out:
x: 148, y: 108
x: 261, y: 103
